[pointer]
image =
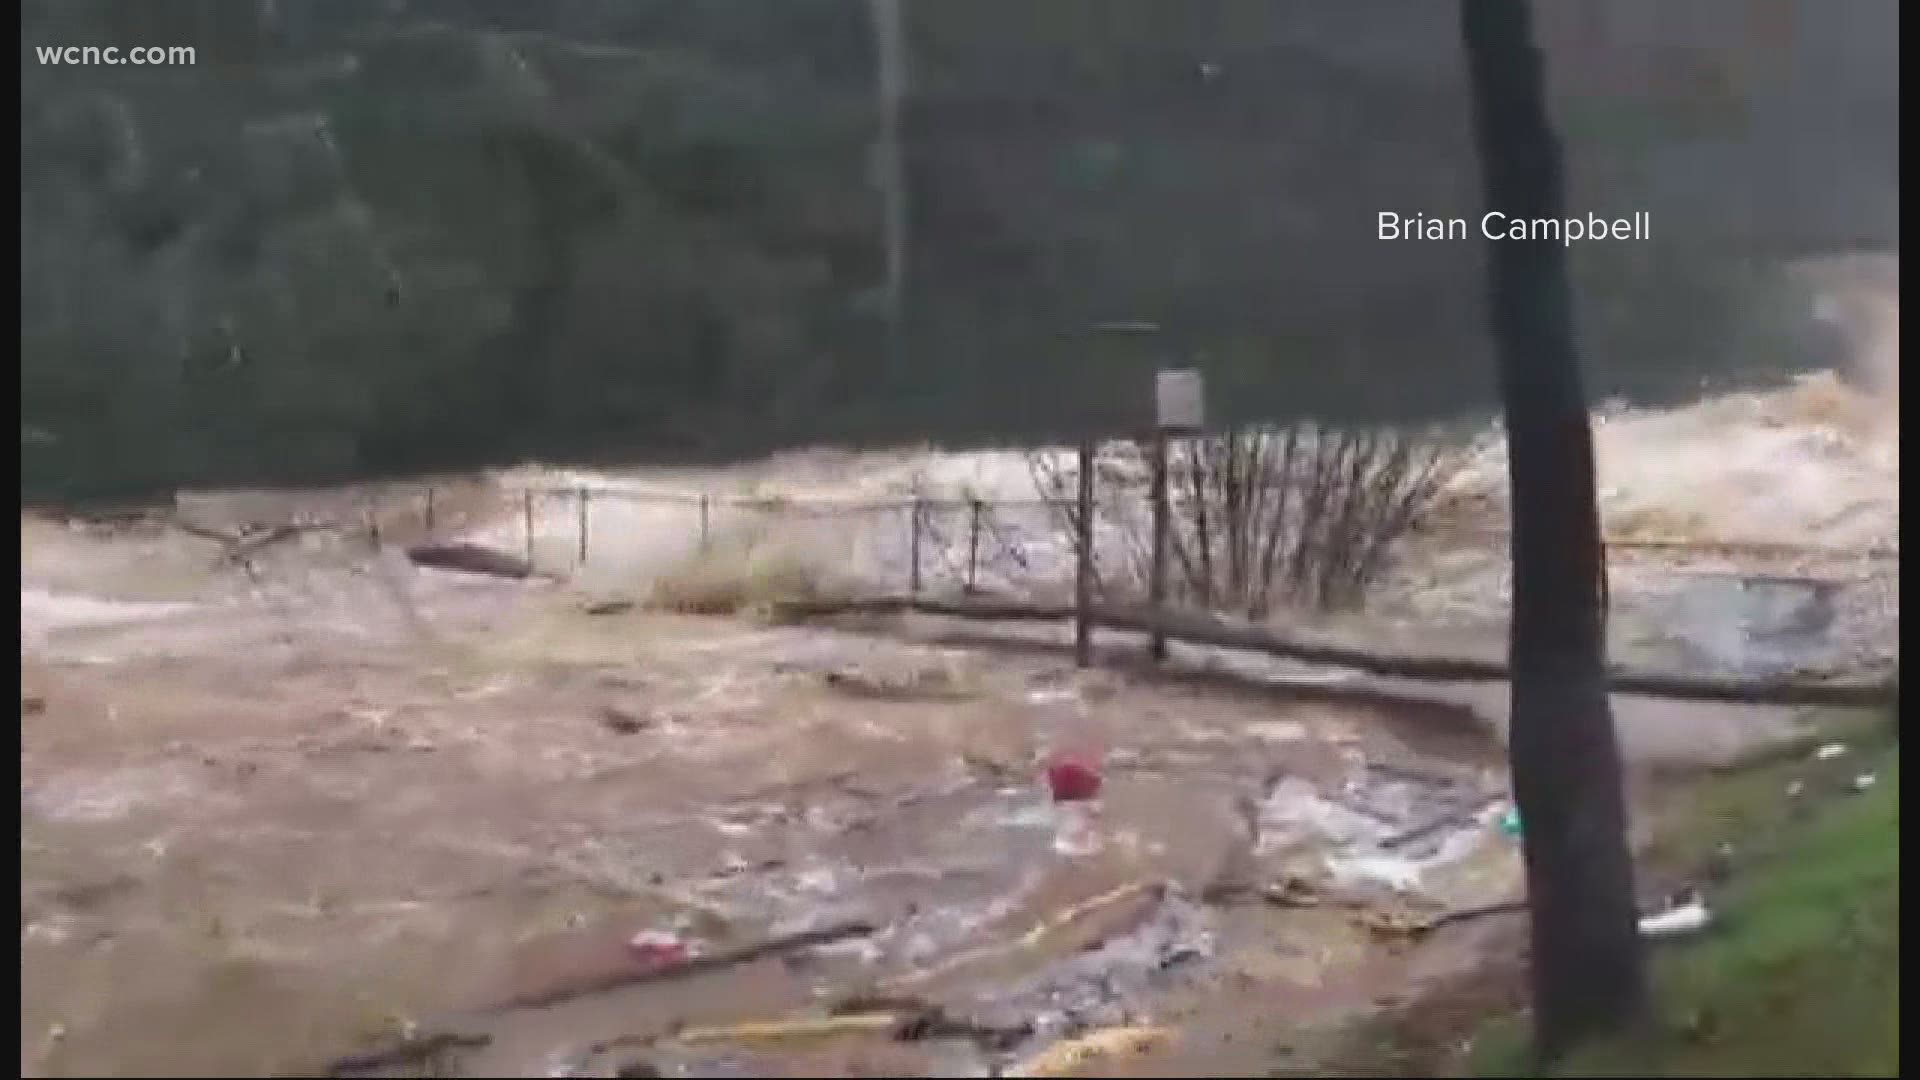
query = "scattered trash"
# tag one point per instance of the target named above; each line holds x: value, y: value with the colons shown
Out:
x: 1182, y: 952
x: 1688, y: 918
x: 934, y: 1023
x: 1294, y: 891
x: 1864, y: 781
x: 622, y: 722
x: 689, y: 964
x: 1796, y: 788
x: 1455, y: 817
x: 1076, y: 833
x: 1510, y: 823
x: 1398, y: 874
x: 1830, y: 751
x: 1111, y: 898
x: 1126, y: 908
x: 1092, y: 1051
x: 659, y: 949
x: 1071, y: 778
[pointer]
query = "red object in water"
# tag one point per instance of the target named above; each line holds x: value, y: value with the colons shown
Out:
x: 1072, y: 779
x: 656, y: 950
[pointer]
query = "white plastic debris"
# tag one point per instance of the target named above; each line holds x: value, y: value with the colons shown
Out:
x: 1796, y: 788
x: 1829, y: 751
x: 1076, y: 829
x: 1864, y: 781
x: 659, y: 949
x: 1688, y: 918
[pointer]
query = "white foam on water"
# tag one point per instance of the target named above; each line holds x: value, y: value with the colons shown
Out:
x: 43, y: 610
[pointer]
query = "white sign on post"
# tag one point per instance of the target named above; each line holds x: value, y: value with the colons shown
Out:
x: 1179, y: 398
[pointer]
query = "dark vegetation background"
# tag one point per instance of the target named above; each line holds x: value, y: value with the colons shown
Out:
x: 370, y: 236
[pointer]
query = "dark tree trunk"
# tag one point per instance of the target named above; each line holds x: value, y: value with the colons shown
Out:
x: 1588, y: 971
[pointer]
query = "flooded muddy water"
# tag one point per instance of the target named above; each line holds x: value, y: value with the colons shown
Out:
x: 340, y: 804
x: 255, y: 866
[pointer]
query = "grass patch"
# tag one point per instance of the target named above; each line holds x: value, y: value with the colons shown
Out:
x: 752, y: 570
x: 1802, y: 975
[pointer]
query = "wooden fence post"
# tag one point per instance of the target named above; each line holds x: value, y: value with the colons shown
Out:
x: 913, y: 549
x: 1083, y: 562
x: 705, y: 528
x: 1157, y: 579
x: 429, y: 515
x: 586, y: 494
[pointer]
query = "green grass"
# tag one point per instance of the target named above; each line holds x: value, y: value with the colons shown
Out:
x: 1801, y: 976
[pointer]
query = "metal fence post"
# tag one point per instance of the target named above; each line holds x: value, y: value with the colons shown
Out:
x: 913, y: 547
x: 973, y: 545
x: 1083, y: 562
x: 586, y: 494
x: 526, y: 517
x: 1157, y: 582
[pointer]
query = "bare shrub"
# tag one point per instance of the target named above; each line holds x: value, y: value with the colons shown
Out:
x: 1304, y: 516
x: 1056, y: 477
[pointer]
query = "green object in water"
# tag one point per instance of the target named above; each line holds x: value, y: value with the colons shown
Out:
x: 1510, y: 822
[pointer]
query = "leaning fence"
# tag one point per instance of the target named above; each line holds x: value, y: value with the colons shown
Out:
x: 1004, y: 558
x: 912, y: 545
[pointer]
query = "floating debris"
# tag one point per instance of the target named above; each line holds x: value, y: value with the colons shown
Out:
x: 1109, y: 915
x: 1830, y: 751
x: 659, y: 949
x: 1510, y: 823
x: 412, y: 1049
x: 469, y: 558
x: 1688, y: 918
x: 811, y: 1027
x: 621, y: 722
x: 1093, y: 1051
x: 1071, y: 778
x: 1076, y: 832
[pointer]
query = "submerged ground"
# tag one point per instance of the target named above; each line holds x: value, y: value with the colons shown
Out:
x: 269, y: 819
